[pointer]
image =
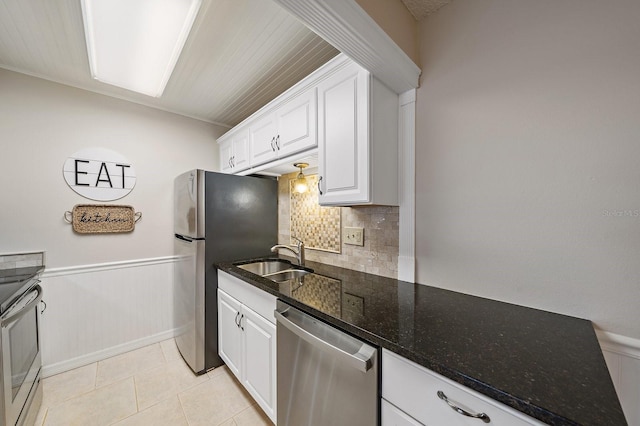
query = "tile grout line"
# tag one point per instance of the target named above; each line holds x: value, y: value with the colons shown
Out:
x: 135, y: 393
x: 184, y: 413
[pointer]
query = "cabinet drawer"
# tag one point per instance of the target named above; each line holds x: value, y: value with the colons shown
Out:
x: 392, y: 416
x: 260, y: 301
x: 414, y: 389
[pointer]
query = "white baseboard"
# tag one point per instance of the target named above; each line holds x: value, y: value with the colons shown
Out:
x: 98, y: 311
x: 61, y: 367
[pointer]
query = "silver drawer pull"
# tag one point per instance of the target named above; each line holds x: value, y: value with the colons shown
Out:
x: 481, y: 416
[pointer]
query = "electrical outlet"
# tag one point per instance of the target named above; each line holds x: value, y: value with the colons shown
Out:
x: 354, y: 236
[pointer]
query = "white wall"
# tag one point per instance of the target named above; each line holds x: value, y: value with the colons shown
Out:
x: 105, y: 294
x: 528, y: 155
x: 42, y: 123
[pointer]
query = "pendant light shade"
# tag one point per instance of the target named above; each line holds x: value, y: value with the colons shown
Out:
x: 300, y: 185
x: 135, y: 44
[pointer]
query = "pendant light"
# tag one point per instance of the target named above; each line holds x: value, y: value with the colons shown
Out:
x: 300, y: 185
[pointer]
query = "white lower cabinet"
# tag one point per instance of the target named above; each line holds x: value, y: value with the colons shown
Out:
x: 229, y: 333
x: 410, y: 395
x: 259, y: 350
x: 393, y: 416
x: 247, y: 338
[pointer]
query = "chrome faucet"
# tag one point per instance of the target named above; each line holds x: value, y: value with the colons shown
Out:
x: 298, y: 251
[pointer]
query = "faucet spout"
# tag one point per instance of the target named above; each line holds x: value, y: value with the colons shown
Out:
x: 298, y: 251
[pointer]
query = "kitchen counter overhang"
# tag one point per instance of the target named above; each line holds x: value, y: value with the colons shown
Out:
x: 546, y: 365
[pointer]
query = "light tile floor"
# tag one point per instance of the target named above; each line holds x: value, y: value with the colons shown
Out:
x: 148, y: 386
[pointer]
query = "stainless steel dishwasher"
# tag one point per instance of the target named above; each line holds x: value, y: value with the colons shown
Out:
x: 325, y: 376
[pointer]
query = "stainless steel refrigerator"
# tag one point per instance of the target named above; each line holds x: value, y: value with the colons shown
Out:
x: 217, y: 217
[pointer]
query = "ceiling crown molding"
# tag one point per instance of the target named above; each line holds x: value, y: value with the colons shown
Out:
x: 345, y: 25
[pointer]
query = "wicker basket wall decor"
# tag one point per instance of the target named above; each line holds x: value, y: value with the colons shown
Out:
x: 102, y: 218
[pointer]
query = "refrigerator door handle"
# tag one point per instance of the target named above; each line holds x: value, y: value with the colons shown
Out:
x: 180, y: 237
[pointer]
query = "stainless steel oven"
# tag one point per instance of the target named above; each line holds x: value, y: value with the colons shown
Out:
x: 20, y: 358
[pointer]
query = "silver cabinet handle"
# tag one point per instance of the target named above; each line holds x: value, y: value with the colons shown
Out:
x: 319, y: 180
x: 481, y: 416
x: 278, y: 142
x: 230, y: 162
x: 233, y: 161
x: 241, y: 326
x: 236, y: 320
x: 361, y: 360
x: 273, y: 141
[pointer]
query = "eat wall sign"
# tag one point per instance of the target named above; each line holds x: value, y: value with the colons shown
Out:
x: 99, y: 174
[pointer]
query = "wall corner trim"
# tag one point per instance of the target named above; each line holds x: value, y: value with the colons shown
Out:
x: 407, y: 185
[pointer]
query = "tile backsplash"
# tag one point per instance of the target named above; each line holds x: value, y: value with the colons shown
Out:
x: 378, y: 256
x: 319, y: 227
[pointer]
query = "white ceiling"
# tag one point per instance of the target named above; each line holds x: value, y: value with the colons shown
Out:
x: 240, y: 55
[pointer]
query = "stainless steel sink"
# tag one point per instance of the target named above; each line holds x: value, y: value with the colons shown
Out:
x: 289, y: 274
x: 265, y: 267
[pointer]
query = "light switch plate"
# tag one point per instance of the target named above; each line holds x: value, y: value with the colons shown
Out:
x: 353, y: 304
x: 354, y: 236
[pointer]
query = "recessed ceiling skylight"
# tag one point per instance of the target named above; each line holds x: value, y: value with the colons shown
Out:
x: 135, y: 44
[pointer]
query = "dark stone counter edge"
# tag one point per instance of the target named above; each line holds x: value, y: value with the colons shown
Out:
x: 519, y: 404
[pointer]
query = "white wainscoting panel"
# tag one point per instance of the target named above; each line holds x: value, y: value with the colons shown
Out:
x: 622, y: 355
x: 98, y: 311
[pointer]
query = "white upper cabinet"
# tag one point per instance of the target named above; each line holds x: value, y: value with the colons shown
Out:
x: 357, y: 139
x: 289, y: 129
x: 262, y: 134
x: 234, y: 151
x: 352, y: 119
x: 296, y: 121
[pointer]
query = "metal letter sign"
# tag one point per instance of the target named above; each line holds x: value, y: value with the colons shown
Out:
x: 99, y: 174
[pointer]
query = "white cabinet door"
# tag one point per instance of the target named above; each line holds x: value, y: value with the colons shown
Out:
x: 226, y: 152
x: 296, y: 121
x: 234, y: 152
x: 343, y: 137
x: 392, y: 416
x: 259, y: 349
x: 262, y: 137
x: 241, y: 159
x: 229, y: 332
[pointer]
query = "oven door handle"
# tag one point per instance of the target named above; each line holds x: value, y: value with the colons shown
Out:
x: 25, y: 309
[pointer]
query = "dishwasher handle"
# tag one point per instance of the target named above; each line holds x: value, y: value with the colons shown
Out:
x: 362, y: 359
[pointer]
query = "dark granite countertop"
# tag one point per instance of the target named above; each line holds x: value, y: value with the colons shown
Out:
x: 546, y: 365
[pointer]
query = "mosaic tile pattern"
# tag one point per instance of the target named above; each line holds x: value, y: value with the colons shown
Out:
x: 378, y: 256
x: 322, y: 293
x: 318, y: 227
